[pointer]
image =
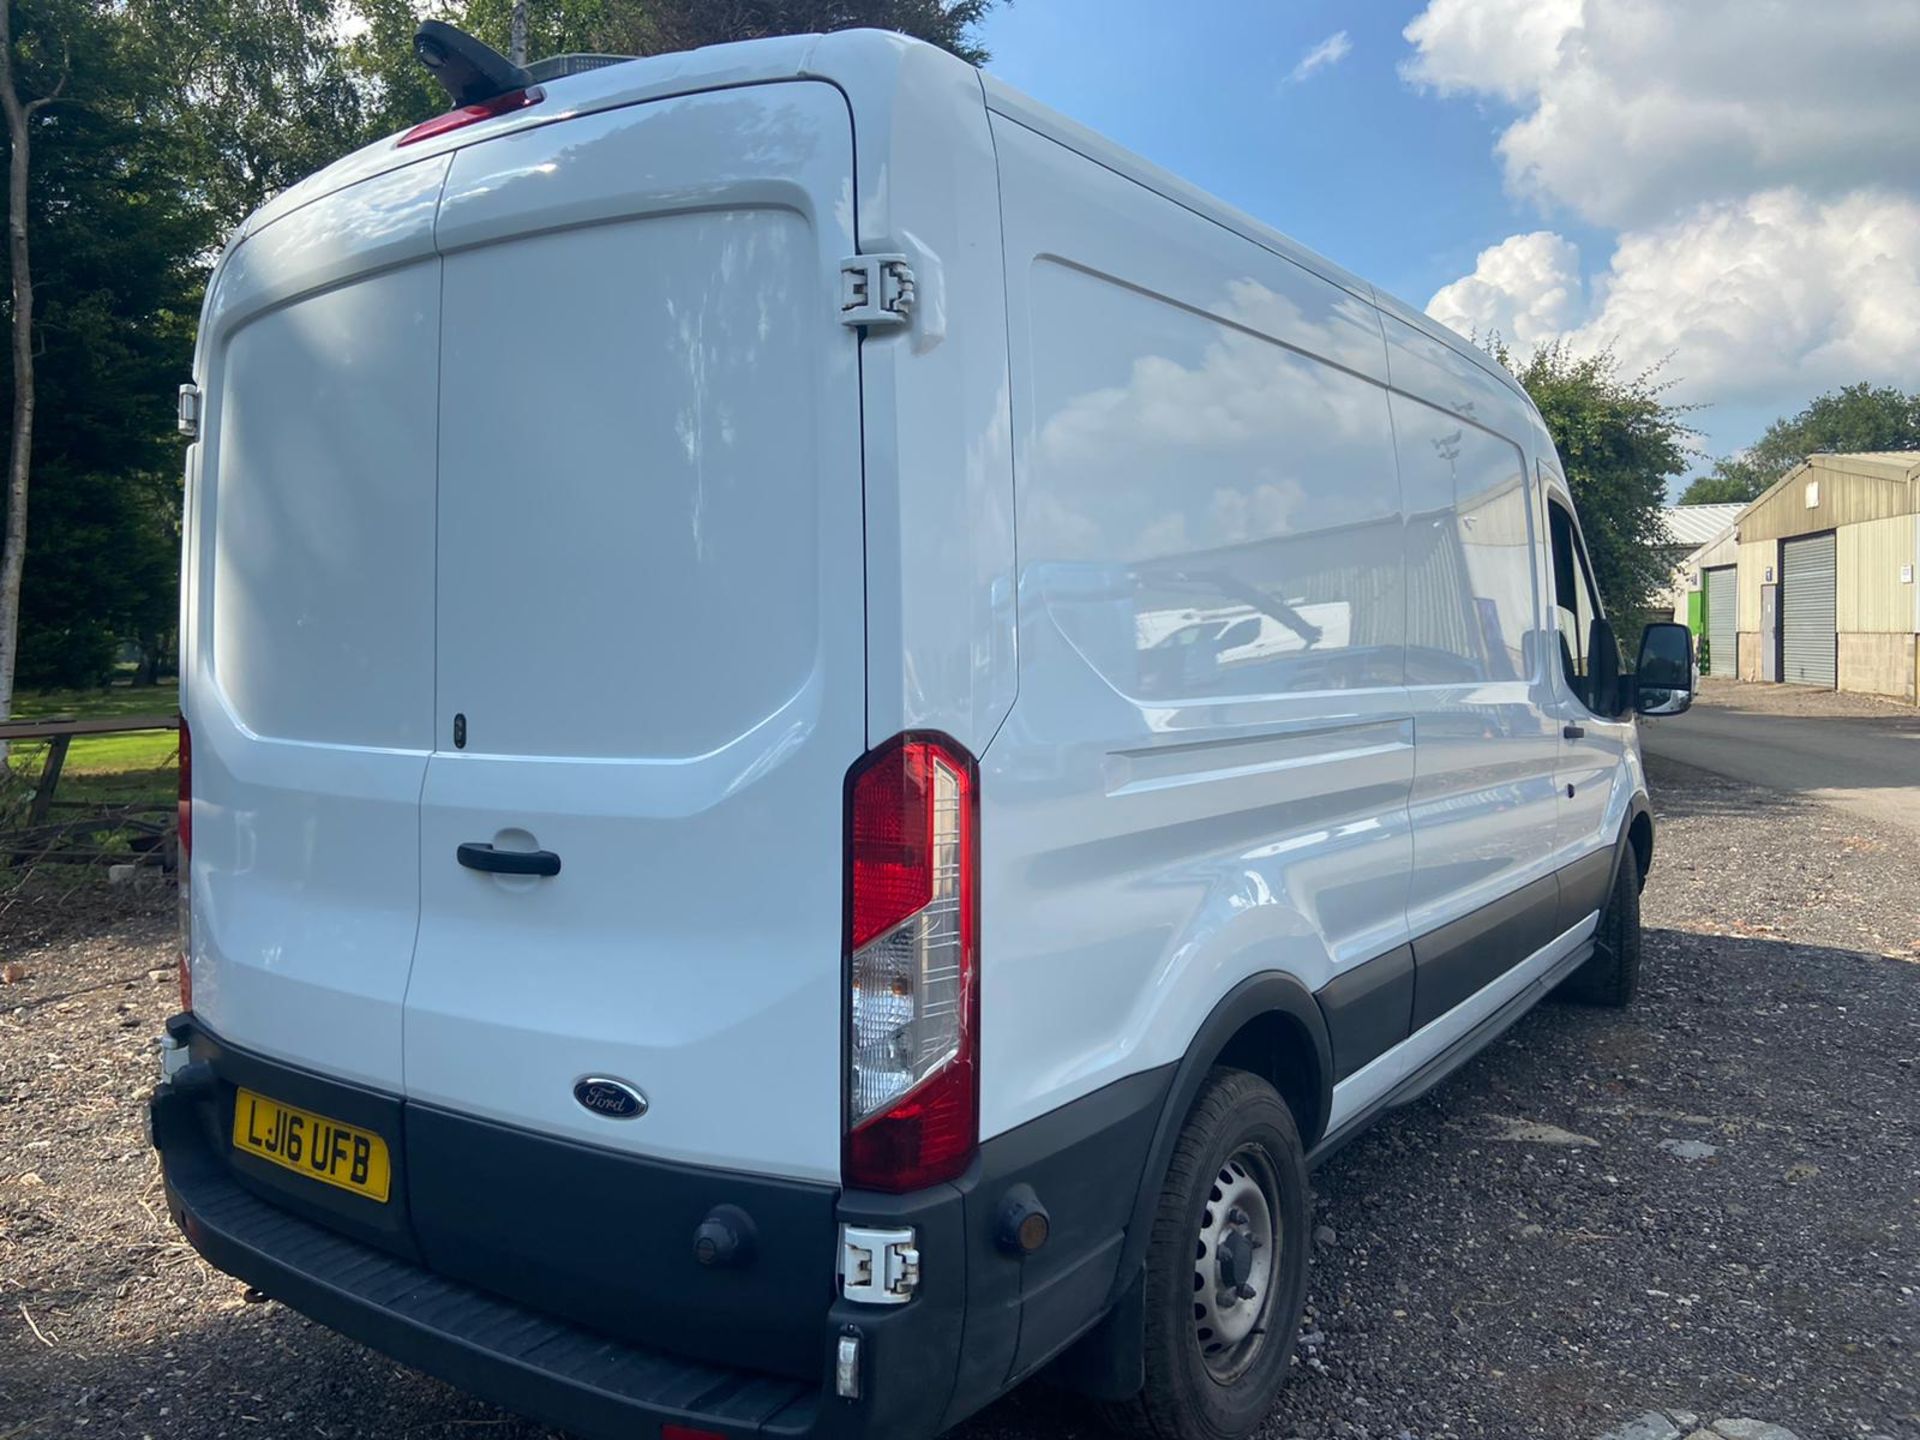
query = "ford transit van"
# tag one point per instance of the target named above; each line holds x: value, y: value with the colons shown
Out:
x: 831, y: 731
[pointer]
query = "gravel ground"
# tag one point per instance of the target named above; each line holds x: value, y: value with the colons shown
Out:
x: 1709, y: 1203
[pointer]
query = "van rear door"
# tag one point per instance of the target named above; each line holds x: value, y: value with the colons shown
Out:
x: 650, y: 636
x: 307, y: 632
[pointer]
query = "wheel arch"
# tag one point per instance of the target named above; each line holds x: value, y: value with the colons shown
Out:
x: 1268, y: 1024
x: 1637, y: 832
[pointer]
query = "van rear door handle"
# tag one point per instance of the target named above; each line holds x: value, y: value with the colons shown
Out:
x: 476, y: 856
x: 1572, y: 732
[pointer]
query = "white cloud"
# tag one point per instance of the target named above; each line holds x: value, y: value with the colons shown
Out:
x: 1496, y: 47
x: 1330, y: 51
x: 1631, y: 109
x: 1755, y: 159
x: 1527, y: 288
x: 1766, y: 299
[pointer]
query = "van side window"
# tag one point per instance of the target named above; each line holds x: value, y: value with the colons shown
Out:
x: 1576, y: 603
x: 1470, y: 600
x: 1206, y: 512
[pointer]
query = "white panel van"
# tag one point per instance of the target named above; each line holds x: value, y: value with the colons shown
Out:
x: 830, y: 732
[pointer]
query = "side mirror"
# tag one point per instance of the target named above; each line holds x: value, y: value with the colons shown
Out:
x: 1663, y: 680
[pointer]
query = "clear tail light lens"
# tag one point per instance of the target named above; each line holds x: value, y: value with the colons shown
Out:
x: 912, y: 981
x: 181, y: 860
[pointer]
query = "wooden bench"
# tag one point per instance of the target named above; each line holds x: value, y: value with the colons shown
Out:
x: 58, y: 731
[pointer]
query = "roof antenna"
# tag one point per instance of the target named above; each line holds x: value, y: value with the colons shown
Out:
x: 470, y: 71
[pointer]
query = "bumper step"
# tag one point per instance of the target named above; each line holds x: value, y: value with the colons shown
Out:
x: 518, y: 1358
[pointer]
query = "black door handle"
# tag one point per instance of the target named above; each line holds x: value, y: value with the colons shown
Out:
x: 476, y: 856
x: 1572, y: 732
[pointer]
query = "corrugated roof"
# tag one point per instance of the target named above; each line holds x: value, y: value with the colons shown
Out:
x: 1692, y: 525
x: 1907, y: 460
x: 1895, y: 465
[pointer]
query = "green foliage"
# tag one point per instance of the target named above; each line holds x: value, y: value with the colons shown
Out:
x: 117, y: 253
x: 1619, y: 441
x: 102, y: 572
x: 947, y: 23
x: 1719, y: 488
x: 264, y: 95
x: 177, y: 119
x: 395, y: 90
x: 1858, y: 417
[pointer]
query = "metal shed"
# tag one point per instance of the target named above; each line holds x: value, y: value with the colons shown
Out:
x: 1707, y: 598
x: 1720, y: 590
x: 1826, y: 568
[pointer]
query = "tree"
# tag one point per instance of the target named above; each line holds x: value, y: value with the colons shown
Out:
x: 176, y: 119
x: 264, y: 95
x: 1724, y: 485
x: 398, y: 91
x: 118, y: 244
x: 946, y: 23
x: 34, y: 72
x: 1619, y: 441
x: 92, y: 239
x: 1858, y: 417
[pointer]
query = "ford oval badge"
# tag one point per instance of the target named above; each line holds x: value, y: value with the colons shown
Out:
x: 614, y: 1099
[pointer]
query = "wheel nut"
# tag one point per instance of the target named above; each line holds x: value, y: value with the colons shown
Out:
x: 1236, y: 1216
x: 1245, y: 1292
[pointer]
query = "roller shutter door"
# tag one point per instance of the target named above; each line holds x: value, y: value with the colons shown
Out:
x: 1723, y: 621
x: 1808, y: 643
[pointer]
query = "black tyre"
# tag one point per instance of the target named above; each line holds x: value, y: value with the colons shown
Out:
x: 1612, y: 976
x: 1226, y: 1268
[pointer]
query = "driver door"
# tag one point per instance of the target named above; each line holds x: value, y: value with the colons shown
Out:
x: 1592, y: 745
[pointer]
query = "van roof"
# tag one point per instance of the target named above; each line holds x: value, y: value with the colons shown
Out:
x: 1003, y: 99
x: 874, y: 57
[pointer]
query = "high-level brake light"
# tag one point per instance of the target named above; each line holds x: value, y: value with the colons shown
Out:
x: 470, y: 114
x: 913, y: 987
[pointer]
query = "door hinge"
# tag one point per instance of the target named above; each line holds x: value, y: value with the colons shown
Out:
x: 189, y: 421
x: 875, y: 290
x: 878, y: 1267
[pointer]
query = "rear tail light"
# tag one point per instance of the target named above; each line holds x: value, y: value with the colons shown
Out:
x: 913, y: 994
x: 469, y: 114
x: 181, y: 863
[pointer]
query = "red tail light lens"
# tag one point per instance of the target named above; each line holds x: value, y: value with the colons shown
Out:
x: 469, y: 114
x: 913, y: 993
x: 181, y: 861
x: 893, y: 839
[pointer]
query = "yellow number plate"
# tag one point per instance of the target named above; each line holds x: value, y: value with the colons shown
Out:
x: 312, y: 1145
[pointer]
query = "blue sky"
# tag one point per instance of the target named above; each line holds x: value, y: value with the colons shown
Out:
x: 1350, y: 160
x: 1402, y: 180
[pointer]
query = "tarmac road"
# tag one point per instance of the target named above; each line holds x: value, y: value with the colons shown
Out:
x: 1860, y: 754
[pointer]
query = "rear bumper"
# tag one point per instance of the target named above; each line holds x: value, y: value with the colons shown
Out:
x: 500, y: 1351
x: 981, y: 1320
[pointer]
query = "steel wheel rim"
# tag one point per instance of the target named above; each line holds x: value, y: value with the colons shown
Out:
x: 1236, y: 1256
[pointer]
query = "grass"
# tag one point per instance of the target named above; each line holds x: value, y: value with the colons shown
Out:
x: 161, y: 699
x: 105, y: 769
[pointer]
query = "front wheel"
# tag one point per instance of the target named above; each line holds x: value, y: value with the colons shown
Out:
x: 1612, y: 976
x: 1226, y: 1267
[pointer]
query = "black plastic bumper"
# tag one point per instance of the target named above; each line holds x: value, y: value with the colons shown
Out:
x: 565, y: 1375
x: 408, y: 1286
